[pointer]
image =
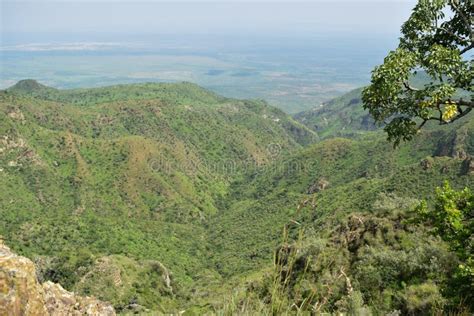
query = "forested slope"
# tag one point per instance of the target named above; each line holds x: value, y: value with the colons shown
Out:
x: 168, y: 197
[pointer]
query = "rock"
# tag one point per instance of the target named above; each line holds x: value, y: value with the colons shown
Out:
x: 427, y: 163
x: 61, y: 302
x: 135, y: 308
x: 18, y: 146
x: 318, y: 186
x: 16, y: 114
x: 460, y: 154
x: 110, y: 276
x: 22, y: 294
x: 365, y: 174
x: 12, y: 163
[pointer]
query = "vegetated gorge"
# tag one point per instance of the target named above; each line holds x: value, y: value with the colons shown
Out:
x: 167, y: 198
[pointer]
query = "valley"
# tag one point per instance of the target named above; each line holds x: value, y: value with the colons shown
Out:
x: 167, y: 197
x: 236, y: 158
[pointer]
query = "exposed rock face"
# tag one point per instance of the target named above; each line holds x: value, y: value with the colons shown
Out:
x: 22, y: 294
x: 454, y: 146
x: 318, y: 186
x: 61, y: 302
x: 16, y: 114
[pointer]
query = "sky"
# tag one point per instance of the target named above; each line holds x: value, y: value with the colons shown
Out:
x: 197, y: 17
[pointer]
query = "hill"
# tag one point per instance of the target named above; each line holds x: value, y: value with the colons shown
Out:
x: 30, y: 86
x: 126, y: 174
x: 346, y: 176
x: 342, y: 116
x: 346, y: 205
x: 168, y: 197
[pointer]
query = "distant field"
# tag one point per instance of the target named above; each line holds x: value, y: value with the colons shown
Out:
x: 293, y: 75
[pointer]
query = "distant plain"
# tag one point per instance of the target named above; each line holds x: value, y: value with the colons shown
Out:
x: 292, y: 73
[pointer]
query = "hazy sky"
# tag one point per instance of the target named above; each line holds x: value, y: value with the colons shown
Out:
x: 244, y: 16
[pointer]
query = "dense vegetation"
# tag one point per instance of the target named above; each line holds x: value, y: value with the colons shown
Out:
x: 169, y: 197
x: 342, y: 116
x: 348, y: 205
x: 135, y: 171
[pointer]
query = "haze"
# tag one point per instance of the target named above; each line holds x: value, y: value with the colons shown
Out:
x: 295, y: 55
x: 204, y: 17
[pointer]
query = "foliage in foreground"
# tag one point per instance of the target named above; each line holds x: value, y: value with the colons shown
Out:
x: 386, y: 263
x: 452, y: 219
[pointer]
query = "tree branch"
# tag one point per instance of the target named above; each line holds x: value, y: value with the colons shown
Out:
x: 459, y: 38
x: 410, y: 88
x: 466, y: 20
x: 459, y: 104
x: 422, y: 124
x: 433, y: 118
x: 467, y: 48
x: 469, y: 104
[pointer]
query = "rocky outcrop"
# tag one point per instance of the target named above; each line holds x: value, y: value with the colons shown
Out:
x: 22, y: 294
x: 454, y: 145
x: 318, y: 186
x: 427, y: 163
x: 61, y: 302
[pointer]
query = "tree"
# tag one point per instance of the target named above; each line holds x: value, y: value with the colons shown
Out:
x: 436, y: 42
x: 452, y: 219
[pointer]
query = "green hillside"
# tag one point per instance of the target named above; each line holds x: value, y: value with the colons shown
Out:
x: 168, y: 197
x: 355, y: 173
x: 336, y: 192
x: 342, y: 116
x: 127, y: 170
